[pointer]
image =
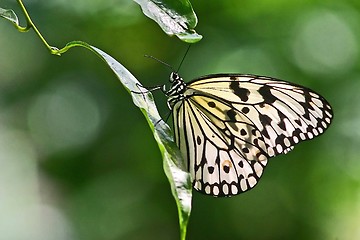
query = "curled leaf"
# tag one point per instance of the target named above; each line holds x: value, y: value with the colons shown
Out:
x: 175, y: 17
x: 9, y: 15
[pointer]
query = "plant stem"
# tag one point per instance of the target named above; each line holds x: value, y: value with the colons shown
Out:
x: 30, y: 24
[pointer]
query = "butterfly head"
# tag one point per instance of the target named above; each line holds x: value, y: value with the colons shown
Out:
x: 178, y: 87
x: 175, y: 77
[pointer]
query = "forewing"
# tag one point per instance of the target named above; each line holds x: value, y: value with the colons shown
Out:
x: 283, y: 113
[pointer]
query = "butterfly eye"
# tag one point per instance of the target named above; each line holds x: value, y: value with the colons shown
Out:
x: 174, y: 77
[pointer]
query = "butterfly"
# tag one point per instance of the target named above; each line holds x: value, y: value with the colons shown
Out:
x: 227, y: 126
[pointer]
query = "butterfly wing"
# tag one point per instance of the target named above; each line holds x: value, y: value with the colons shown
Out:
x: 227, y: 126
x: 219, y: 161
x: 283, y: 112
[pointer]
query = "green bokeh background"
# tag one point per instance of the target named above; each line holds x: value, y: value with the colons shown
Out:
x: 78, y: 161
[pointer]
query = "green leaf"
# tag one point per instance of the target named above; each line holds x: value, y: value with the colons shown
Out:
x: 175, y: 17
x: 173, y: 163
x: 9, y: 15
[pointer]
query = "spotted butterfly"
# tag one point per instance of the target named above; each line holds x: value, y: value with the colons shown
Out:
x: 227, y: 126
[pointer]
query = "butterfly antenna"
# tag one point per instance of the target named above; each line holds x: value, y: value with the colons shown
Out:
x: 182, y: 60
x: 162, y: 62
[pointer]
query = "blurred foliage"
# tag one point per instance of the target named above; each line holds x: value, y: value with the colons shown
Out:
x: 79, y: 161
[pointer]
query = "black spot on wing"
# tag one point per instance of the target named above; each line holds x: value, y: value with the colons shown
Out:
x: 306, y: 115
x: 308, y: 100
x: 298, y: 122
x: 266, y: 94
x: 245, y: 110
x: 226, y: 169
x: 242, y: 93
x: 217, y: 160
x: 243, y: 132
x: 296, y: 132
x: 211, y: 104
x: 232, y: 120
x: 306, y: 105
x: 282, y: 122
x: 265, y: 119
x: 265, y: 133
x: 310, y: 128
x: 232, y: 143
x: 280, y: 139
x: 231, y: 114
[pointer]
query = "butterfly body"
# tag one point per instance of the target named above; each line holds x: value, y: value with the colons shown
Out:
x: 227, y: 126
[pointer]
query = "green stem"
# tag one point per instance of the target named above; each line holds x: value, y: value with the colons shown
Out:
x: 30, y: 24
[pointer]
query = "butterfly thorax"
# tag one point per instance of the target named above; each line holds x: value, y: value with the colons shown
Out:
x: 176, y: 92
